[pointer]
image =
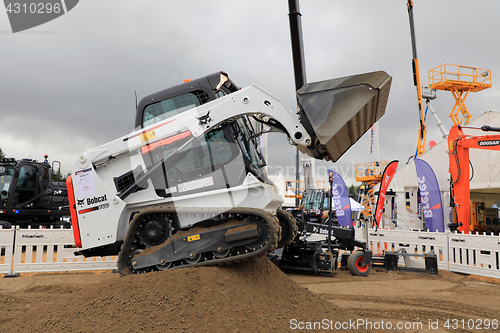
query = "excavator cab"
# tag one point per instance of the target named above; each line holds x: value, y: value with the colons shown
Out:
x: 27, y: 195
x: 21, y: 184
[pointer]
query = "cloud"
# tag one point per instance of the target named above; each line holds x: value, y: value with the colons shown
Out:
x: 69, y: 90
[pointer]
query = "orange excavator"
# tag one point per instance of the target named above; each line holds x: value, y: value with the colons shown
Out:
x: 459, y: 145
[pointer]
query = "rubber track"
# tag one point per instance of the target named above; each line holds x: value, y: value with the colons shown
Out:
x: 271, y: 220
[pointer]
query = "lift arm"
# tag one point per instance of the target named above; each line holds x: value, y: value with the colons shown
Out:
x: 459, y: 145
x: 416, y: 81
x: 334, y: 114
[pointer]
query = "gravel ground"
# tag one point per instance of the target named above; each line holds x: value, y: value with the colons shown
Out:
x: 253, y: 296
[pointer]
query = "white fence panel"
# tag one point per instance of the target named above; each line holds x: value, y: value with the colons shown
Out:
x: 417, y: 242
x: 49, y: 250
x: 475, y: 254
x: 52, y: 250
x: 6, y: 250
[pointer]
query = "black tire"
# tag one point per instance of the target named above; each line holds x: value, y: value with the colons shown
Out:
x: 63, y: 224
x: 355, y: 264
x: 5, y: 225
x: 288, y: 226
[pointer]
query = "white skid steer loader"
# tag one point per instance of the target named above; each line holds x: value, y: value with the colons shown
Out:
x: 188, y: 188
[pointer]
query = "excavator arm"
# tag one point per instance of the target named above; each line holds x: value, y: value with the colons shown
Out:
x: 459, y: 145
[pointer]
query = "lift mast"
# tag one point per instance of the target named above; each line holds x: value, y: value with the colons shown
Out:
x: 416, y: 81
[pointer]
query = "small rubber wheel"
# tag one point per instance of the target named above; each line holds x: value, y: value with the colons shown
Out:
x: 5, y: 225
x: 288, y: 226
x: 355, y: 264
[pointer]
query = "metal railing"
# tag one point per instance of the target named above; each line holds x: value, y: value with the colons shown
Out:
x: 372, y: 171
x: 448, y: 76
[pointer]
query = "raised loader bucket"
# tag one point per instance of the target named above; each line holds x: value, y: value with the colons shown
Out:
x: 337, y: 112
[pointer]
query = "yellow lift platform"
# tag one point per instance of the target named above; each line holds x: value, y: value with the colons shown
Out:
x: 460, y: 80
x: 296, y: 187
x: 370, y: 174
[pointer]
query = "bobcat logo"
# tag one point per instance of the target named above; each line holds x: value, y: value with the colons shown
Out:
x: 80, y: 202
x: 204, y: 120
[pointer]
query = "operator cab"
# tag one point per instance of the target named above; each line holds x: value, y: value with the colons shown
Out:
x: 221, y: 158
x: 23, y: 183
x: 27, y: 194
x: 175, y: 100
x: 315, y: 202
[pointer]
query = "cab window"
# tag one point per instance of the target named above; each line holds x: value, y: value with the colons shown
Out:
x: 208, y: 153
x: 204, y: 155
x: 170, y: 107
x: 27, y: 177
x: 248, y: 144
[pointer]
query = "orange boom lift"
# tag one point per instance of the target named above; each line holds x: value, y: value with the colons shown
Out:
x: 416, y: 81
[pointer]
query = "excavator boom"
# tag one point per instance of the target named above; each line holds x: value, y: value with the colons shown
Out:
x: 459, y: 145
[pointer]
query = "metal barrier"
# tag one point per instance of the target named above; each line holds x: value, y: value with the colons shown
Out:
x: 6, y: 250
x: 52, y: 250
x: 49, y: 250
x: 417, y: 242
x: 459, y: 253
x: 475, y: 254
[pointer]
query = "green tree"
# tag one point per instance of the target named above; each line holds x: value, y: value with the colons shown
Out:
x: 2, y: 154
x: 353, y: 192
x: 58, y: 177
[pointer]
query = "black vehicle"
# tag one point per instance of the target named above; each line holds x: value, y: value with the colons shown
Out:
x: 321, y: 256
x: 28, y: 197
x: 315, y: 204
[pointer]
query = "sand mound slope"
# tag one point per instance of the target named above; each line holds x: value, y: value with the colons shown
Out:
x: 254, y: 296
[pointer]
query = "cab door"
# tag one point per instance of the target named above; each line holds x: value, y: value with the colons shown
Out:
x: 26, y: 188
x: 44, y: 192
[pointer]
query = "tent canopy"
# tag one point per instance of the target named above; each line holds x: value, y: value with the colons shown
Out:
x: 356, y: 206
x: 485, y: 181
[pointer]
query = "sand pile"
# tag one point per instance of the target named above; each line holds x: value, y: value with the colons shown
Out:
x: 254, y: 296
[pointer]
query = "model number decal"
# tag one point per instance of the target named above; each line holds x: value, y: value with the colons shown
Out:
x: 104, y: 206
x: 93, y: 209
